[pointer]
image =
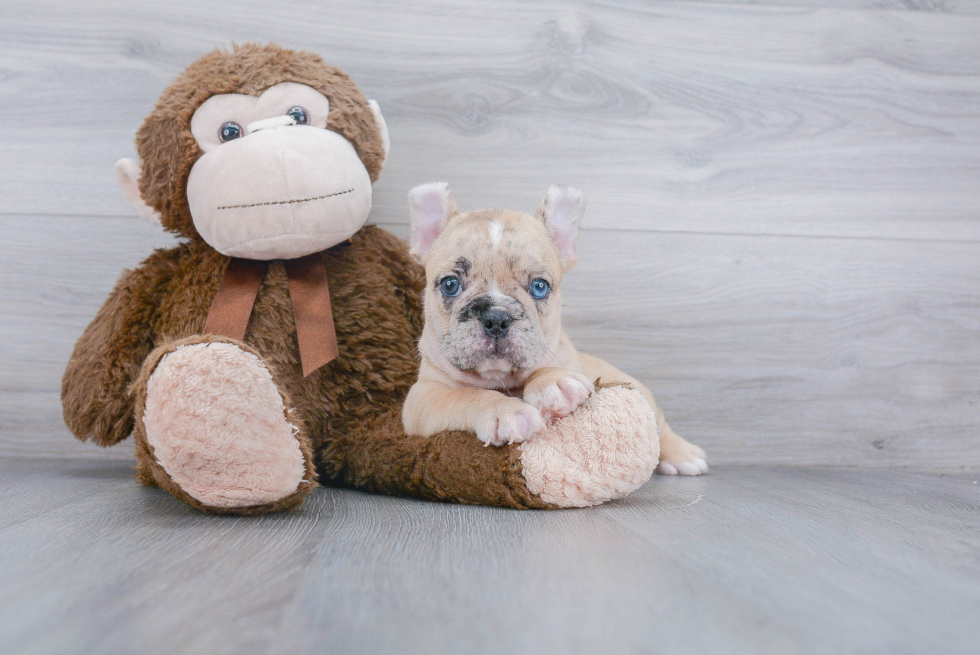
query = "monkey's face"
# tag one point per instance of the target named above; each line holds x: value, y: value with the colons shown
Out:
x: 274, y: 182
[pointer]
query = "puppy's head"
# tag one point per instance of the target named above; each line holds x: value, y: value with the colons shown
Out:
x: 493, y: 298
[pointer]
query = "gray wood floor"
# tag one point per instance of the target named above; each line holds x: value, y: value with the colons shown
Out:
x: 783, y: 242
x: 783, y: 236
x: 747, y: 560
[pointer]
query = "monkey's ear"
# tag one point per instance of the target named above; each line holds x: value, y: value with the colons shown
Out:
x: 380, y: 120
x: 562, y: 210
x: 430, y: 206
x: 128, y: 173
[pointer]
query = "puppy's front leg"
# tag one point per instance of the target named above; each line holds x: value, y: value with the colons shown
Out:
x: 557, y: 392
x: 432, y: 407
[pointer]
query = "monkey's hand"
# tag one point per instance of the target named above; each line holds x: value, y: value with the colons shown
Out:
x: 106, y: 361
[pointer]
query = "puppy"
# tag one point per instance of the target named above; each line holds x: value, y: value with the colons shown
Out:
x: 494, y: 358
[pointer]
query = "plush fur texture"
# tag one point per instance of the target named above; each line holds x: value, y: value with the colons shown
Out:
x: 605, y: 449
x: 139, y: 364
x: 376, y: 295
x: 451, y: 466
x: 167, y: 148
x: 219, y: 428
x: 150, y: 470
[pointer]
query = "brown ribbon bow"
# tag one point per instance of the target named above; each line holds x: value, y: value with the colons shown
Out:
x: 308, y: 291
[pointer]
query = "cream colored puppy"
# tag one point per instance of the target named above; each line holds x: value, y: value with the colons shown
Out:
x: 495, y: 360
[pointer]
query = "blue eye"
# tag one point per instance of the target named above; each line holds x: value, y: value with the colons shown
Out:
x: 299, y: 115
x: 450, y: 286
x: 539, y: 288
x: 230, y: 130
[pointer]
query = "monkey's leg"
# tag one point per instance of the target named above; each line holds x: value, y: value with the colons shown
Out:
x: 605, y: 449
x: 214, y: 430
x: 677, y: 454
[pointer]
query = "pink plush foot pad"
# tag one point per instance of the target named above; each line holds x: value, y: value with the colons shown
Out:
x: 217, y: 425
x: 605, y: 449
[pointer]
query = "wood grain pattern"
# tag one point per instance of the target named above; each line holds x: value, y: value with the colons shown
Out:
x: 783, y: 241
x: 748, y: 560
x: 783, y: 230
x: 673, y: 116
x: 776, y: 349
x: 938, y: 6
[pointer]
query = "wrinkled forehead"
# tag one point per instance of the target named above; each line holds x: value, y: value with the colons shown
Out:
x: 494, y: 241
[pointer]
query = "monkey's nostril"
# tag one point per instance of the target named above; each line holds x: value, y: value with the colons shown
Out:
x: 496, y: 322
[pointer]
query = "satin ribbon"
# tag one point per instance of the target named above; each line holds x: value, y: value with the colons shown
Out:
x: 309, y: 293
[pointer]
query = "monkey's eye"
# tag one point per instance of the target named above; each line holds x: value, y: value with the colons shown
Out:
x: 450, y: 286
x: 539, y: 288
x: 299, y: 115
x: 230, y: 130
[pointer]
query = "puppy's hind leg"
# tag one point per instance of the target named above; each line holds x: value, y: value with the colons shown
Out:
x: 678, y: 456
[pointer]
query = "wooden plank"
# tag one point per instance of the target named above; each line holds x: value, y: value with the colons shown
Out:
x: 939, y: 6
x: 135, y: 574
x: 747, y: 560
x: 56, y: 273
x: 790, y: 350
x: 794, y: 350
x: 676, y: 116
x: 31, y: 426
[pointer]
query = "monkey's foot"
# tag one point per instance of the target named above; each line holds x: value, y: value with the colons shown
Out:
x: 217, y: 425
x: 605, y: 449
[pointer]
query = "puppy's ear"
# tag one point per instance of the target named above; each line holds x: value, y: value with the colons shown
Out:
x: 430, y: 206
x: 562, y: 210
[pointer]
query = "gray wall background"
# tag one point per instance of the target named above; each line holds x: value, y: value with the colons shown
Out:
x: 783, y: 235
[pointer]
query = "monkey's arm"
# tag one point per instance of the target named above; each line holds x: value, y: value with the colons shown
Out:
x: 95, y: 394
x: 408, y: 273
x: 378, y: 456
x: 602, y: 451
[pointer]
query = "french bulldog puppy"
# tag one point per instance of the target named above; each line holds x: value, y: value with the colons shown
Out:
x: 494, y: 358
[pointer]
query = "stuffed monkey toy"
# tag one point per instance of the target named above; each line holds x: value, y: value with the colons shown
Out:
x: 273, y: 347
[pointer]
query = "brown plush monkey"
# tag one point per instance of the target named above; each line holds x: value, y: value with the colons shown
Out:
x: 275, y: 345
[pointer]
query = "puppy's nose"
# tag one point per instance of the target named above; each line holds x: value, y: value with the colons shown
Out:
x: 496, y: 322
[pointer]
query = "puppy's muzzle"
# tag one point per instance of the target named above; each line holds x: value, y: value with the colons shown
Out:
x: 496, y: 322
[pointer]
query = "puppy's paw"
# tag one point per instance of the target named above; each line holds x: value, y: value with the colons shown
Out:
x: 511, y: 420
x: 557, y: 397
x: 678, y: 457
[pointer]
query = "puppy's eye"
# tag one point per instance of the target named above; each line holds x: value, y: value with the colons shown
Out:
x: 539, y: 288
x: 299, y: 115
x: 230, y: 130
x: 450, y: 286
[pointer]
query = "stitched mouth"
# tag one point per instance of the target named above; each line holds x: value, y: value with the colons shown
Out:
x: 287, y: 202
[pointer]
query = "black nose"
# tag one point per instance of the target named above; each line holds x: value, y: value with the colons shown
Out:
x: 496, y: 322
